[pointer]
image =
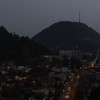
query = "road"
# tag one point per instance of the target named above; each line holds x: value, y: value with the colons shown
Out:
x: 68, y: 93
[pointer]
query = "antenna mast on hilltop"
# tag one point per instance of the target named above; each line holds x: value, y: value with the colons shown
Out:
x: 79, y: 17
x: 73, y: 18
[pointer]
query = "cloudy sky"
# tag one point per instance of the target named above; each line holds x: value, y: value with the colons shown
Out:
x: 28, y: 17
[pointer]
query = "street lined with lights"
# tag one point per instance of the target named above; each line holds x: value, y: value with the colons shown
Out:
x: 70, y: 87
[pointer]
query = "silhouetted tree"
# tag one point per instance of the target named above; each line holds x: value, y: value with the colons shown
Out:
x: 20, y: 50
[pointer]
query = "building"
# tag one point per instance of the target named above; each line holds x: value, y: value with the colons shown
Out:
x: 75, y: 53
x: 71, y: 53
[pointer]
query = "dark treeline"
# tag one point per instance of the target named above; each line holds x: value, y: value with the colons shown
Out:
x: 20, y: 50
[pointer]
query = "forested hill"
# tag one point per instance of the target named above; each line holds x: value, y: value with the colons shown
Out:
x: 69, y: 35
x: 21, y: 50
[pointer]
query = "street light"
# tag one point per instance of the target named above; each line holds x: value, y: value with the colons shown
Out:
x: 71, y: 79
x: 66, y: 82
x: 67, y: 96
x: 70, y: 76
x: 69, y: 89
x: 63, y: 90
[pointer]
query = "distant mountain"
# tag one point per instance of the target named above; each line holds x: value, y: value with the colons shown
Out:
x: 69, y: 35
x: 21, y: 50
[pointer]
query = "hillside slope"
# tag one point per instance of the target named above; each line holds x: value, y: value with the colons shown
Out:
x: 69, y: 35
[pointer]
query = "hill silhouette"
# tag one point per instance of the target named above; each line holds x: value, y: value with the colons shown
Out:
x: 21, y: 50
x: 69, y: 35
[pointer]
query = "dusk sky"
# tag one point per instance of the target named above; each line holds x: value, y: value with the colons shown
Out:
x: 28, y: 17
